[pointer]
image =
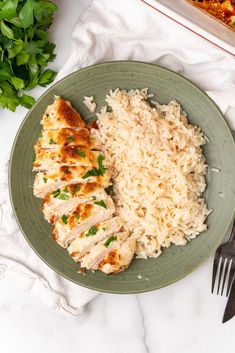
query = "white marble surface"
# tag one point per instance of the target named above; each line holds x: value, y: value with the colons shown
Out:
x: 183, y: 317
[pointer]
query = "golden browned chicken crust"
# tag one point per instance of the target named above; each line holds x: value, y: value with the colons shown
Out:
x: 64, y: 137
x: 61, y: 114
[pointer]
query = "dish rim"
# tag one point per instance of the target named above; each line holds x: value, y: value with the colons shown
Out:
x: 133, y: 291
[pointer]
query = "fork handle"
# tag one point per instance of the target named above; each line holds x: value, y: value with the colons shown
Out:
x: 232, y: 235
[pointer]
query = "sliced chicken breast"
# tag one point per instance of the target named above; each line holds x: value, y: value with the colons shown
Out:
x: 82, y: 219
x: 95, y: 139
x: 49, y: 181
x: 119, y: 258
x: 86, y: 240
x: 66, y: 155
x: 61, y: 115
x: 64, y: 200
x: 98, y: 252
x: 51, y: 139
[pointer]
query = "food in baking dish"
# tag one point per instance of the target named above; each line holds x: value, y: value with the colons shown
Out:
x: 222, y: 10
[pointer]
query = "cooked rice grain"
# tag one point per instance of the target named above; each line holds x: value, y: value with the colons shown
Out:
x: 89, y: 103
x: 159, y: 169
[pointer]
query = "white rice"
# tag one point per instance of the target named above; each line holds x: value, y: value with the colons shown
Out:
x: 89, y: 103
x: 159, y: 169
x: 216, y: 170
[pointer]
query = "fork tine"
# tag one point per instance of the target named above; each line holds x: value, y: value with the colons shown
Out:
x: 230, y: 279
x: 226, y: 272
x: 222, y: 263
x: 215, y: 268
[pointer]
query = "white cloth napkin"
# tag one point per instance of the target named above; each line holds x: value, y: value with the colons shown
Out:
x: 115, y: 30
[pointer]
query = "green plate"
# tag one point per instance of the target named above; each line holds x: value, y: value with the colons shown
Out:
x: 176, y: 261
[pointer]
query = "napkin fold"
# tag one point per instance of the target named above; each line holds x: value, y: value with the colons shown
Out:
x: 114, y: 30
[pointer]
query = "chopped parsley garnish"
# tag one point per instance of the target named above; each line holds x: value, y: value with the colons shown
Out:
x: 70, y: 139
x: 45, y: 180
x: 92, y: 231
x: 80, y: 152
x: 233, y: 23
x: 100, y: 203
x: 95, y: 171
x: 40, y: 134
x: 51, y: 142
x: 64, y: 218
x: 102, y: 169
x: 66, y: 189
x: 63, y: 197
x: 56, y: 193
x: 67, y: 170
x: 104, y: 228
x: 78, y: 216
x: 91, y: 172
x: 94, y: 197
x: 109, y: 240
x: 76, y: 189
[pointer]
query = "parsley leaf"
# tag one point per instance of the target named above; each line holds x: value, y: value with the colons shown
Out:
x: 26, y: 13
x: 102, y: 169
x: 64, y: 218
x: 92, y: 231
x: 91, y: 172
x: 80, y: 152
x: 100, y: 203
x: 27, y: 101
x: 63, y: 197
x: 6, y: 31
x: 56, y: 193
x: 51, y: 142
x: 70, y: 139
x: 18, y: 83
x: 8, y: 96
x: 8, y: 9
x: 45, y: 180
x: 109, y: 240
x: 46, y: 77
x: 95, y: 171
x: 76, y: 189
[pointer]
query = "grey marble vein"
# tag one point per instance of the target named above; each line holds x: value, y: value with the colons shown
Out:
x: 147, y: 350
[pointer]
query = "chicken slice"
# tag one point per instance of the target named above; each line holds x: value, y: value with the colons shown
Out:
x: 61, y: 115
x: 66, y: 155
x: 63, y: 200
x: 51, y: 139
x: 98, y: 252
x: 81, y: 219
x: 119, y: 258
x: 96, y: 139
x: 86, y: 240
x: 49, y: 181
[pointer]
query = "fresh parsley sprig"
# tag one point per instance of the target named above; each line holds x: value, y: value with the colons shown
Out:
x: 24, y: 50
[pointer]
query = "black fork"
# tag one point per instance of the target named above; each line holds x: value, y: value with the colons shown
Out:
x: 224, y: 264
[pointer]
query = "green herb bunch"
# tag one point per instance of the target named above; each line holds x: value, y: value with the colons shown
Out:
x: 24, y: 50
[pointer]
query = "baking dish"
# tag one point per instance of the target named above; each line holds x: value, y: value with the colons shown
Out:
x: 198, y: 22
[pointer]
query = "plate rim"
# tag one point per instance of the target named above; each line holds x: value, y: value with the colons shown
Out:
x: 63, y: 275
